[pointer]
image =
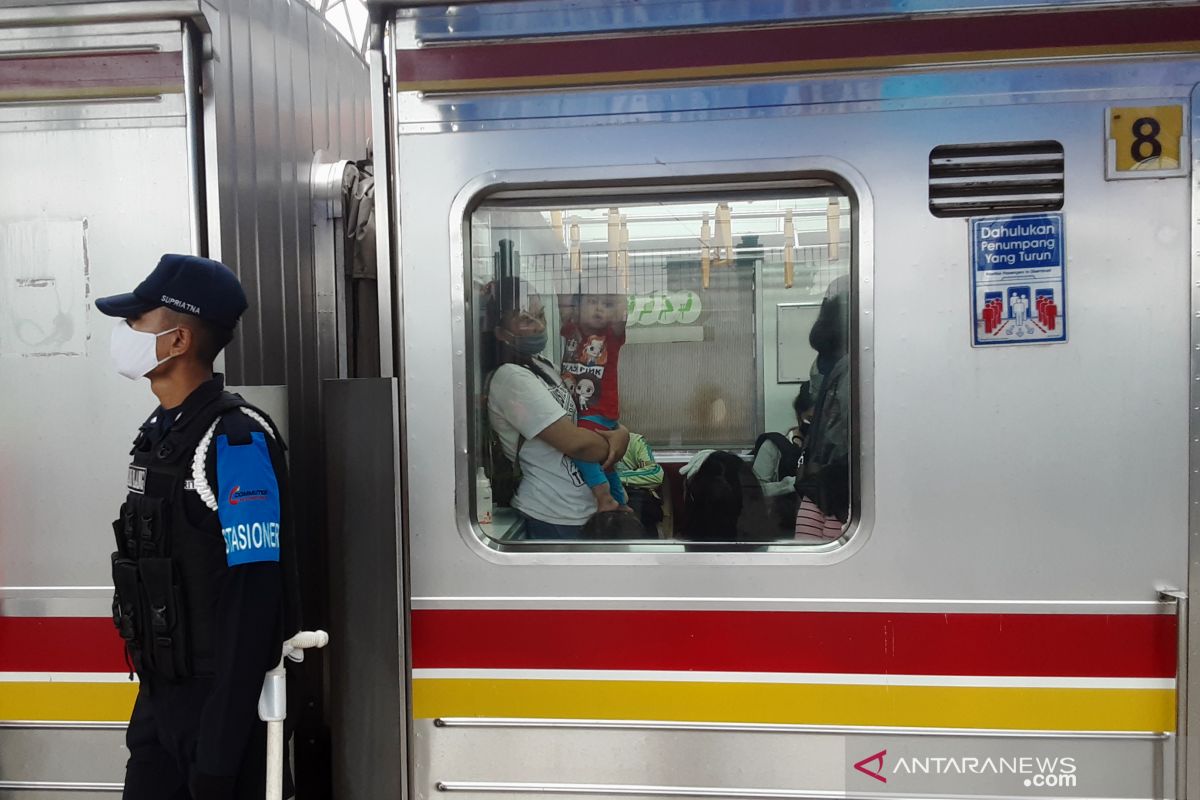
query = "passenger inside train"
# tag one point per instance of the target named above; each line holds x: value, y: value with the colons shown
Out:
x: 593, y: 332
x: 534, y: 416
x: 823, y: 482
x: 803, y: 406
x: 642, y: 477
x: 729, y: 317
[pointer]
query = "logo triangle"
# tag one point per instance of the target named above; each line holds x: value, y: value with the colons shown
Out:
x: 877, y: 772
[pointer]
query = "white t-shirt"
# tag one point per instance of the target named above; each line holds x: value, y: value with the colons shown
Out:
x: 521, y: 404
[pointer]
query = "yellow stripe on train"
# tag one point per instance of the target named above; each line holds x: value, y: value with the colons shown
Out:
x: 1007, y: 708
x: 64, y: 701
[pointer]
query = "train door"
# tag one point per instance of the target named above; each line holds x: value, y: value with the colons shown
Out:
x: 960, y: 591
x: 94, y: 164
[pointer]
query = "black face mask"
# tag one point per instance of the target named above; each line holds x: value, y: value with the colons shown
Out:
x: 529, y: 345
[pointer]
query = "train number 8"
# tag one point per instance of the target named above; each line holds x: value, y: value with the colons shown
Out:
x: 1145, y: 134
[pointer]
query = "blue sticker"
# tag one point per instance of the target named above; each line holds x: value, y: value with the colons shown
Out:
x: 247, y: 501
x: 1018, y: 279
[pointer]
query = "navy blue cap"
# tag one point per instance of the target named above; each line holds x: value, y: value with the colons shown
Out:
x: 189, y: 284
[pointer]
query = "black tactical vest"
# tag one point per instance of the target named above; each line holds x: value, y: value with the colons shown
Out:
x: 166, y: 570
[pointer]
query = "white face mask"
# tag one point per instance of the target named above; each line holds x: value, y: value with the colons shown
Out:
x: 135, y: 352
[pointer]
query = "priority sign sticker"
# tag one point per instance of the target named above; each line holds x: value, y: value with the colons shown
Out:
x: 1018, y: 280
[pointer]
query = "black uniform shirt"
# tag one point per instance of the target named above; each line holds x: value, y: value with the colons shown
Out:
x: 248, y: 617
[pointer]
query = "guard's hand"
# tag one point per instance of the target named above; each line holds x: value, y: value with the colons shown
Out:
x: 212, y: 787
x: 618, y: 443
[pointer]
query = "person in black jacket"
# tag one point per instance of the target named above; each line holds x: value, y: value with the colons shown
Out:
x: 823, y: 477
x: 204, y: 570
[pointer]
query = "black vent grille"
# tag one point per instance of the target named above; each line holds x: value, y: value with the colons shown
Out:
x: 967, y: 180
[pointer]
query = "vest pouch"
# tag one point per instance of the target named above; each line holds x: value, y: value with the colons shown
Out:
x: 125, y: 531
x: 125, y: 608
x: 150, y: 522
x: 167, y: 640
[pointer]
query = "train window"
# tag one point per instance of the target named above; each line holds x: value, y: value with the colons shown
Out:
x: 707, y: 334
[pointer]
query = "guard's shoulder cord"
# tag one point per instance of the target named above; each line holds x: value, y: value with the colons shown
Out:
x: 199, y: 473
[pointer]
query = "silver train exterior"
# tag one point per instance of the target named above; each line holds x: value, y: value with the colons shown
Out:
x: 107, y: 162
x: 1006, y: 613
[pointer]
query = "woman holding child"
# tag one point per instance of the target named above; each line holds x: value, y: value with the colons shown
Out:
x: 534, y: 415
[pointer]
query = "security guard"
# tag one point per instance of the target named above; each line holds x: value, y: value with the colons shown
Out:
x: 204, y: 569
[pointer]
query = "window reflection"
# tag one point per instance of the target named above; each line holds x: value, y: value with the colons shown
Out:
x: 700, y: 350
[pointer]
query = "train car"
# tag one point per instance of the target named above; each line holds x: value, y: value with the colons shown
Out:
x: 871, y: 196
x: 127, y: 130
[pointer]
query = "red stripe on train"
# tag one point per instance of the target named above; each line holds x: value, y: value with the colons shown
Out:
x: 1075, y: 645
x: 864, y: 39
x: 110, y: 70
x: 60, y: 644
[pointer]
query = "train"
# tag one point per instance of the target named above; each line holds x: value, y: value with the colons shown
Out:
x: 128, y: 130
x: 997, y: 602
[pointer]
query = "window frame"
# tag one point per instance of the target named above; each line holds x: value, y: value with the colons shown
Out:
x: 625, y: 183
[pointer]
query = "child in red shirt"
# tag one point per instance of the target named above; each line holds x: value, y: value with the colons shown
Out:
x: 594, y: 330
